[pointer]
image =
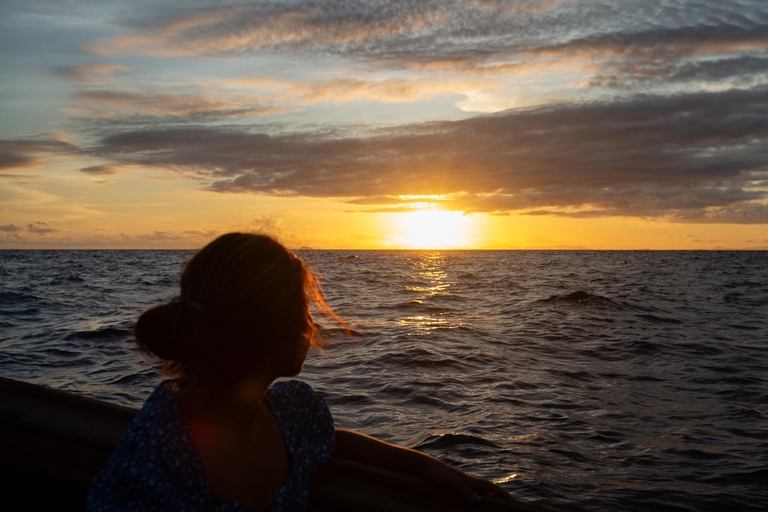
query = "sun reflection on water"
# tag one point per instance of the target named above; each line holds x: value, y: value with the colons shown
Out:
x: 431, y: 280
x: 426, y: 323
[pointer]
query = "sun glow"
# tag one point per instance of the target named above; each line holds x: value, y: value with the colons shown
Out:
x: 433, y: 229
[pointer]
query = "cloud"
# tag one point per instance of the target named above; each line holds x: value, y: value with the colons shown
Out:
x: 749, y: 213
x: 196, y: 233
x: 740, y: 213
x: 425, y: 31
x: 159, y: 236
x: 274, y: 227
x: 273, y: 26
x: 102, y: 237
x: 100, y: 170
x: 722, y: 49
x: 688, y: 156
x: 742, y: 70
x: 30, y: 152
x: 165, y: 40
x: 95, y: 73
x: 10, y: 228
x: 41, y: 228
x: 351, y: 89
x: 662, y: 43
x: 124, y: 107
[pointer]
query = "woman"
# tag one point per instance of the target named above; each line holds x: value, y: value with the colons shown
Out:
x: 217, y: 434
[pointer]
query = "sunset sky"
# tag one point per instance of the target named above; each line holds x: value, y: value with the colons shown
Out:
x: 605, y: 124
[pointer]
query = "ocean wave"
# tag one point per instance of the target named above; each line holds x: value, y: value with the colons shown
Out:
x: 659, y: 319
x: 66, y: 280
x: 453, y: 440
x: 103, y: 334
x: 586, y: 299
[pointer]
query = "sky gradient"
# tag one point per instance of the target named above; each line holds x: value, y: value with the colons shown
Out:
x: 606, y: 124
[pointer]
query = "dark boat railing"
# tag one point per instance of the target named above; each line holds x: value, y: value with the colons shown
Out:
x: 53, y: 443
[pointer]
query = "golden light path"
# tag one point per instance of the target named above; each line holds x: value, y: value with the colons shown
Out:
x: 434, y: 229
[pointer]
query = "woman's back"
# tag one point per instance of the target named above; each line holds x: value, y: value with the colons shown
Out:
x: 246, y: 459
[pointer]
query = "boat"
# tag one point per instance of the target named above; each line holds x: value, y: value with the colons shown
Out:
x: 53, y: 443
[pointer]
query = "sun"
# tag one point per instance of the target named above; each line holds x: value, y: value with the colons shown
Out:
x: 433, y: 229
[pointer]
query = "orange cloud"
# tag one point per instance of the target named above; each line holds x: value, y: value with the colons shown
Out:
x: 351, y: 89
x: 163, y: 41
x: 238, y: 31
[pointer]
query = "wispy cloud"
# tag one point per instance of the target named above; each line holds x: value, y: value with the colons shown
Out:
x: 350, y: 89
x: 431, y: 30
x: 662, y: 43
x: 278, y: 26
x: 100, y: 170
x: 749, y: 213
x: 164, y: 40
x: 741, y: 70
x: 123, y: 107
x: 164, y: 236
x: 95, y: 73
x: 453, y: 32
x: 30, y: 152
x: 36, y: 233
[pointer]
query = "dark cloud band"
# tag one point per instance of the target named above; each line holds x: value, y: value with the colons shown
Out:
x: 677, y: 156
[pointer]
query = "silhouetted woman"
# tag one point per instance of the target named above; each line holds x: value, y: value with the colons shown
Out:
x: 217, y: 434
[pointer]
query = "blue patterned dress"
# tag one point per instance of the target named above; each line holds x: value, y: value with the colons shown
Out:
x: 156, y: 467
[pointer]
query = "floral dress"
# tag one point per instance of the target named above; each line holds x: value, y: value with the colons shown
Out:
x: 156, y: 467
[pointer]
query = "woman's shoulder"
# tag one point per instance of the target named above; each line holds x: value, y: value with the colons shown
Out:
x: 136, y: 474
x: 159, y: 418
x: 304, y: 419
x: 293, y: 388
x: 297, y: 397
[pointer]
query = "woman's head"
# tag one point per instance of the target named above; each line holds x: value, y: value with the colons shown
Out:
x: 243, y: 310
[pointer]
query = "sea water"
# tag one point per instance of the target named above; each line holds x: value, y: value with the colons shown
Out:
x: 627, y: 380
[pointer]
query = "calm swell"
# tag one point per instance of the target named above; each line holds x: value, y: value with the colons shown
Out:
x: 604, y: 380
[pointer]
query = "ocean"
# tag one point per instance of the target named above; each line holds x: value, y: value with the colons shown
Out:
x: 587, y: 380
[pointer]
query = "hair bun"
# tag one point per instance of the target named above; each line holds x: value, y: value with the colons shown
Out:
x: 166, y: 330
